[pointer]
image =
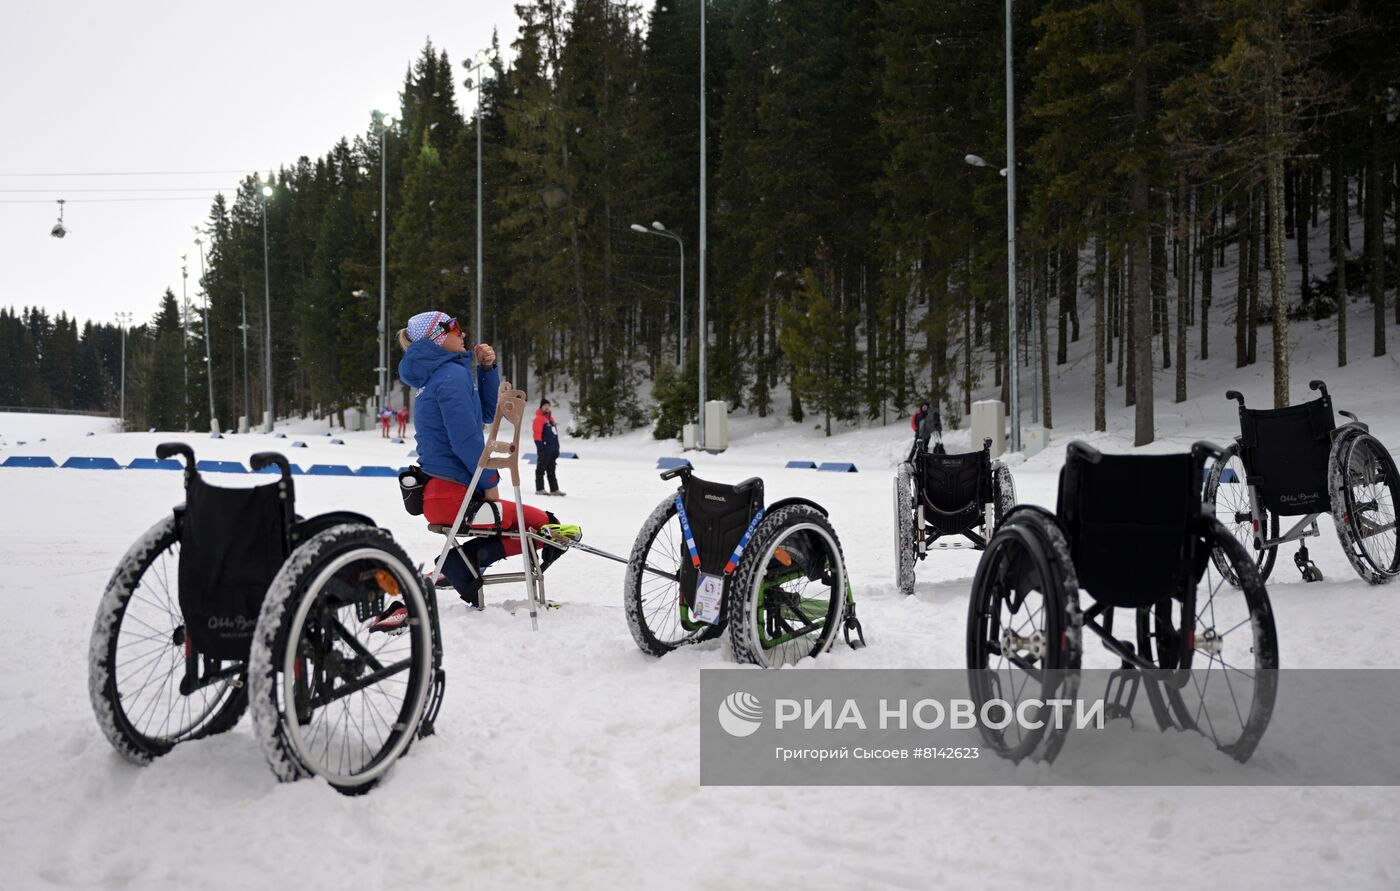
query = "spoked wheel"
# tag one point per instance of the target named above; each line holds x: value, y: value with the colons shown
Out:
x: 1224, y: 684
x: 656, y: 611
x: 137, y: 658
x: 788, y: 595
x: 1228, y: 490
x: 1365, y: 490
x: 1023, y: 633
x: 330, y: 697
x: 904, y: 531
x: 1005, y: 490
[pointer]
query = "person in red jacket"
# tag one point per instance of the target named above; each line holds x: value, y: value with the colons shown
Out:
x: 918, y: 417
x: 546, y: 435
x: 403, y: 421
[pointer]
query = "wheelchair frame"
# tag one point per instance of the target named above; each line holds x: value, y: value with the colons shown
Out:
x: 1306, y: 526
x: 911, y: 482
x: 757, y: 529
x: 1161, y: 663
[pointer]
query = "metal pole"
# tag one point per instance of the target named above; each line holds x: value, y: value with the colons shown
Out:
x: 267, y: 319
x: 682, y: 247
x: 122, y: 319
x: 185, y: 344
x: 247, y: 397
x: 1012, y: 353
x: 208, y: 354
x: 478, y: 206
x: 703, y: 329
x: 383, y: 309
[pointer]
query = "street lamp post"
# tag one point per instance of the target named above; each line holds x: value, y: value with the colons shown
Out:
x: 385, y: 122
x: 185, y: 344
x: 658, y: 229
x: 247, y: 396
x: 704, y: 331
x: 208, y: 350
x: 123, y: 319
x: 482, y: 58
x: 267, y: 315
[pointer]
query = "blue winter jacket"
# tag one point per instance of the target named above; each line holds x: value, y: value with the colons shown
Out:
x: 450, y: 411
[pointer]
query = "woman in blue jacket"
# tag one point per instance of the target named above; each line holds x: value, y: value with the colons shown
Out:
x: 452, y: 406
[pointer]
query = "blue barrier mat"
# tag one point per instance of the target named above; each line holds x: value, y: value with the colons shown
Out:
x: 154, y: 464
x: 29, y: 461
x: 801, y: 465
x: 668, y: 463
x: 1226, y: 476
x: 205, y: 465
x: 837, y: 467
x: 376, y: 470
x: 84, y: 463
x: 329, y: 470
x: 273, y: 468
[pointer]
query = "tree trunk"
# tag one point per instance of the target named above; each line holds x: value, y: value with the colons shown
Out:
x: 1375, y: 234
x: 1242, y: 283
x: 1206, y: 253
x: 1183, y: 285
x: 1062, y: 346
x: 1100, y: 345
x: 1256, y: 233
x: 1302, y: 195
x: 1045, y: 415
x: 1278, y: 261
x: 1158, y: 260
x: 1122, y: 274
x: 1339, y: 251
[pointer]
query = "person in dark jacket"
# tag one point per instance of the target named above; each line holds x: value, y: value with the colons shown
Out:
x: 454, y: 402
x: 546, y: 434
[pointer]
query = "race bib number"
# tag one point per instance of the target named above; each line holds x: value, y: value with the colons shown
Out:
x: 709, y: 594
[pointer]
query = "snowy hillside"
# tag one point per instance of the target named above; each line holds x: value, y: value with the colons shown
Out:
x: 565, y: 758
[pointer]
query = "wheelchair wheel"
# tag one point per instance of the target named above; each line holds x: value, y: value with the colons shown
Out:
x: 904, y: 531
x: 1365, y: 490
x: 136, y: 657
x: 1228, y: 490
x: 1004, y: 490
x: 656, y: 613
x: 788, y: 595
x: 1228, y: 693
x: 329, y: 697
x: 1023, y: 631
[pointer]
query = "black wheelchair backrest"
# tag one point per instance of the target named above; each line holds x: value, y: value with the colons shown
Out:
x: 718, y: 514
x: 1285, y: 453
x: 232, y: 544
x: 1133, y: 523
x: 954, y: 488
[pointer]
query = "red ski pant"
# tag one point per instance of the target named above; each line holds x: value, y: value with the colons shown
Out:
x: 443, y: 498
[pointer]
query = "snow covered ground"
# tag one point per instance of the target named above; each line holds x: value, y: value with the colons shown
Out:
x: 566, y: 758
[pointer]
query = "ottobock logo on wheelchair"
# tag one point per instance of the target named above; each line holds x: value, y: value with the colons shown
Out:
x: 719, y: 498
x: 1300, y: 498
x: 241, y: 624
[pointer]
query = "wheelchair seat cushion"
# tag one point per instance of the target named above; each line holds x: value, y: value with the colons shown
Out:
x: 1285, y: 453
x: 954, y: 488
x: 718, y: 514
x: 232, y: 544
x: 1131, y: 522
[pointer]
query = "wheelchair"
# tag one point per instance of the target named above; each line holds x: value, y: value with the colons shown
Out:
x: 937, y: 495
x: 712, y: 556
x: 235, y: 603
x: 1296, y: 462
x: 1131, y: 532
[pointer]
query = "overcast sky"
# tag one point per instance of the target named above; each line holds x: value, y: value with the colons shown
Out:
x: 139, y: 86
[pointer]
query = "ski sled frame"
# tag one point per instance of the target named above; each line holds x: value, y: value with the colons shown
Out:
x: 504, y: 455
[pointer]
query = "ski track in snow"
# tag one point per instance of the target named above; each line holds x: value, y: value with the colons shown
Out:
x: 566, y: 758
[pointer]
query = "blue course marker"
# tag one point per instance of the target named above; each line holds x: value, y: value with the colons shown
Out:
x: 573, y: 455
x: 376, y: 470
x: 1226, y: 476
x: 273, y: 468
x: 82, y: 463
x: 154, y: 464
x: 204, y: 465
x: 329, y: 470
x: 668, y: 463
x: 801, y: 465
x: 29, y: 461
x: 837, y: 467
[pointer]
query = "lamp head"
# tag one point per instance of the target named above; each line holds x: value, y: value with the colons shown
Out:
x: 638, y: 227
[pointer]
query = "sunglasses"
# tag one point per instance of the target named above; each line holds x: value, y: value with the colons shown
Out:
x: 450, y: 326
